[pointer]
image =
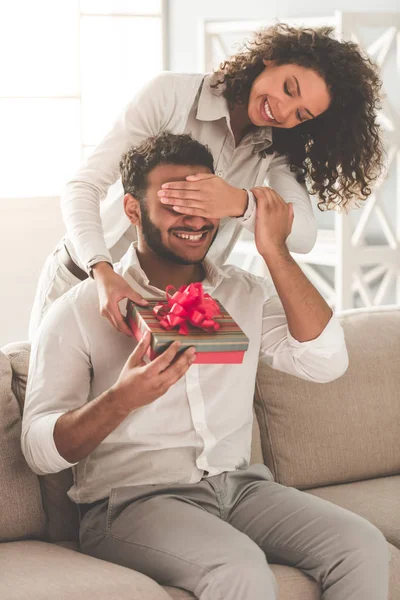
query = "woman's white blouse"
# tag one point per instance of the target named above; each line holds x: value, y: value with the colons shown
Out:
x: 181, y: 103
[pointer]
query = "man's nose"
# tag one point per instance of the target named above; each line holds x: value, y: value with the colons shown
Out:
x: 195, y: 222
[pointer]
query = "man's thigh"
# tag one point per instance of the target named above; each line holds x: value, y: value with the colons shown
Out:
x: 291, y: 526
x: 173, y: 534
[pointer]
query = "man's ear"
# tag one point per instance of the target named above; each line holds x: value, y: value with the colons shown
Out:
x: 132, y: 209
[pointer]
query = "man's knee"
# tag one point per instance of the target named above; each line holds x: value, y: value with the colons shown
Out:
x: 362, y: 544
x: 246, y: 575
x: 372, y: 544
x: 364, y: 537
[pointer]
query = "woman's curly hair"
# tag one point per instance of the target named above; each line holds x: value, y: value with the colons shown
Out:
x: 339, y: 153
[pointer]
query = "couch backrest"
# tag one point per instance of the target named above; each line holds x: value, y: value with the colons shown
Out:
x: 21, y: 511
x: 31, y: 506
x: 347, y: 430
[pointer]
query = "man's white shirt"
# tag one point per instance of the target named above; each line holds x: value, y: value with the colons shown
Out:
x: 202, y: 425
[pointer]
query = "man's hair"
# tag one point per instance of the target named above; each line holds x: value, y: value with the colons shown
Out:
x: 162, y: 149
x: 339, y: 153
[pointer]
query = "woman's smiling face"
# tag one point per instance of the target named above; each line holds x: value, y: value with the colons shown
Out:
x: 287, y: 95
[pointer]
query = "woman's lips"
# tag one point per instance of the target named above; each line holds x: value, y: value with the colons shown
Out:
x: 264, y: 114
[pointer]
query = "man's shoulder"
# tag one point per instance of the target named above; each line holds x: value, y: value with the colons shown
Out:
x: 81, y: 296
x: 246, y: 285
x: 240, y: 275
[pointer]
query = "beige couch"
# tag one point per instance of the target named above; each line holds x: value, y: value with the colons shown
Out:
x: 339, y: 441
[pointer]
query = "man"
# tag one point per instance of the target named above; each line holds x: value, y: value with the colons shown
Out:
x: 160, y: 451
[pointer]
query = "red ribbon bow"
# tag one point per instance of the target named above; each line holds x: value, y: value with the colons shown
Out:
x: 187, y: 305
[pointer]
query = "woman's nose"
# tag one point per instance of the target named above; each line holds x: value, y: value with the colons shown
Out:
x: 285, y: 107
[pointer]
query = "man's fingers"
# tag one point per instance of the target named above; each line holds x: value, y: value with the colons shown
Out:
x: 291, y: 213
x: 160, y: 363
x: 135, y: 359
x: 269, y: 197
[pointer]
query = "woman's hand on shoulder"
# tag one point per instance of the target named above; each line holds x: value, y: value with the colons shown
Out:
x: 112, y: 288
x: 204, y: 195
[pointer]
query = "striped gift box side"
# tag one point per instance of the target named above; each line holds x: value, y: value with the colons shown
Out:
x: 229, y: 338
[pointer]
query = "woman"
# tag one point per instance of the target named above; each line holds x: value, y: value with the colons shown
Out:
x: 295, y: 106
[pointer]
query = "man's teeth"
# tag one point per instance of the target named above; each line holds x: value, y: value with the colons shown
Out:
x: 268, y: 110
x: 191, y: 237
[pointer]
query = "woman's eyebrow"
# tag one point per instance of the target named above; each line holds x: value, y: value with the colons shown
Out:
x: 299, y: 93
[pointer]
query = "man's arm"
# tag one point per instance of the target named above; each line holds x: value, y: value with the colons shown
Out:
x: 306, y: 311
x: 59, y: 426
x: 78, y: 433
x: 300, y: 334
x: 282, y: 180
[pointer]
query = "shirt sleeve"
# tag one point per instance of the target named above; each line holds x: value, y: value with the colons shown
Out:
x: 59, y: 359
x: 147, y: 114
x: 320, y: 360
x: 281, y: 179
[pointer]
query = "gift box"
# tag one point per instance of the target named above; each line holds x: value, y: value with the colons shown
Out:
x: 217, y: 339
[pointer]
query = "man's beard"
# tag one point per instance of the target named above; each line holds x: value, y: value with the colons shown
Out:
x: 152, y: 237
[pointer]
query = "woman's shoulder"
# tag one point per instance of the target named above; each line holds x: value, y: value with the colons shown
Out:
x: 172, y: 79
x: 170, y: 93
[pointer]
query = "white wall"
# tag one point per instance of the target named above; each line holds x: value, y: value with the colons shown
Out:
x: 29, y: 230
x: 185, y: 17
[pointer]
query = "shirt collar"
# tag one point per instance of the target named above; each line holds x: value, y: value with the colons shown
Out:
x: 213, y: 106
x: 131, y: 270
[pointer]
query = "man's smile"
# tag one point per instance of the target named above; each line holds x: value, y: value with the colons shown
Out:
x: 191, y: 238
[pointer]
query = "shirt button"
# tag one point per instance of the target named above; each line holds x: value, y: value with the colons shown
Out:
x: 220, y: 173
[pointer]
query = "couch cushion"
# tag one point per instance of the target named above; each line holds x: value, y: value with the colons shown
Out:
x: 41, y: 571
x: 18, y: 354
x: 62, y: 521
x: 318, y: 434
x: 44, y: 577
x: 394, y: 574
x: 293, y: 584
x: 256, y: 450
x: 377, y: 500
x: 21, y: 513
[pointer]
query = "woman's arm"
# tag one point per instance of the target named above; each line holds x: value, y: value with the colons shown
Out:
x: 304, y: 230
x: 281, y: 179
x: 145, y: 115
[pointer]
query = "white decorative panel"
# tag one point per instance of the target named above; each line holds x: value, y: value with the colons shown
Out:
x: 362, y: 248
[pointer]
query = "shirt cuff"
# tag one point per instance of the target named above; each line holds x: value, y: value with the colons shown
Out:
x: 251, y: 204
x: 94, y: 261
x: 42, y: 454
x: 329, y: 342
x: 248, y: 219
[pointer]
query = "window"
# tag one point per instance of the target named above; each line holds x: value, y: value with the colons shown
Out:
x: 71, y: 67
